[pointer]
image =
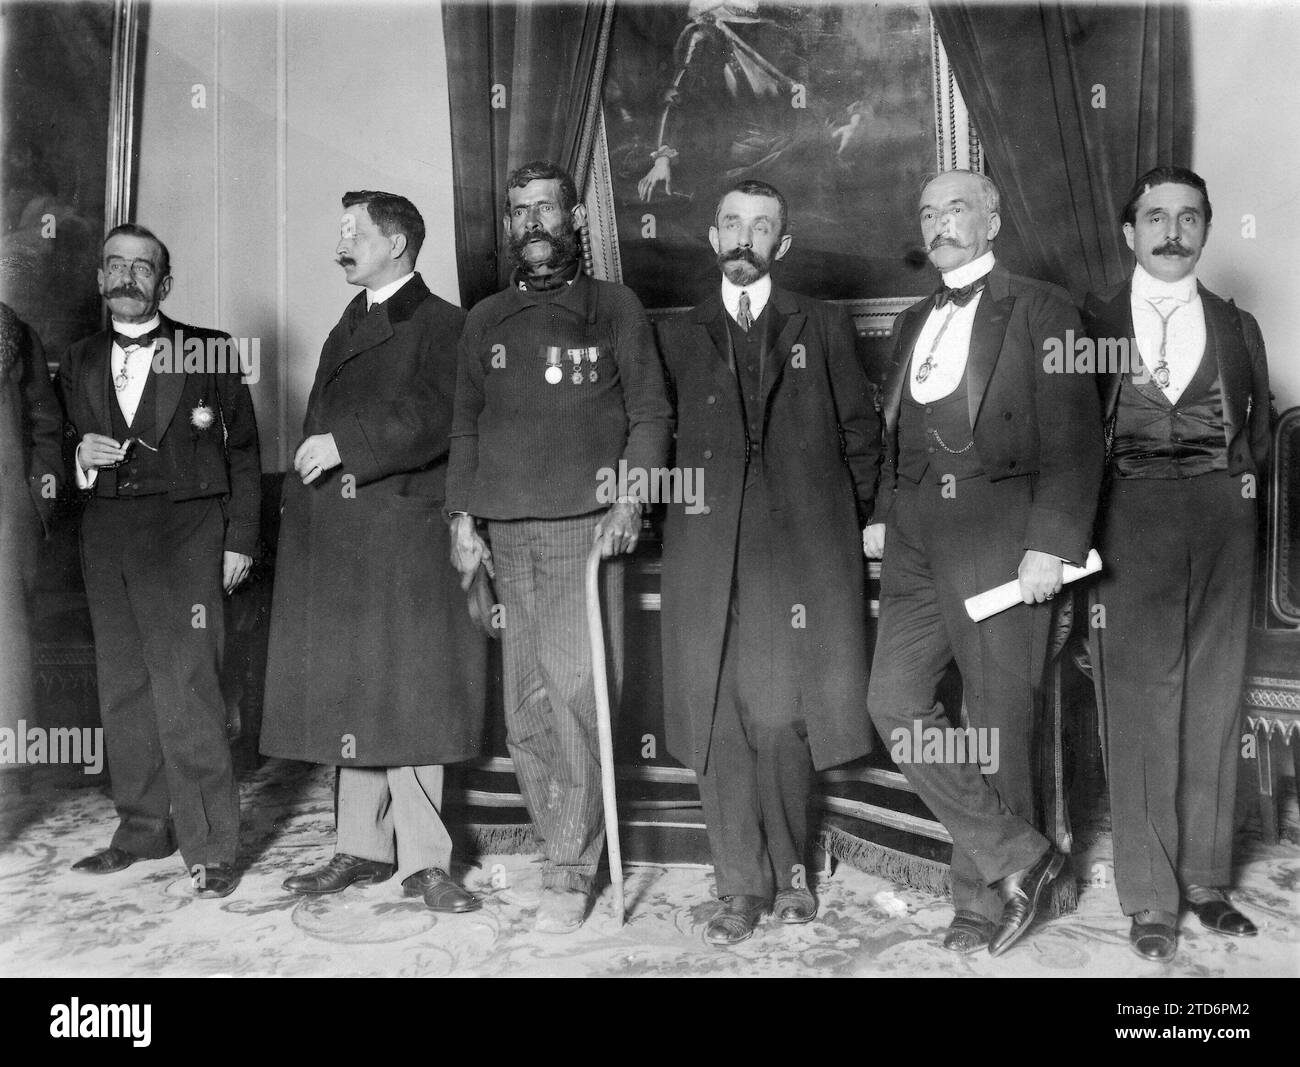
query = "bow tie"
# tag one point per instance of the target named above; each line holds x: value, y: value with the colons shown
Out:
x: 961, y: 297
x: 126, y: 342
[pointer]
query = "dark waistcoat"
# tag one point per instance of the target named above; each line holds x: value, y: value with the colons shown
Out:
x: 935, y: 438
x: 141, y: 473
x: 748, y: 357
x: 1156, y: 439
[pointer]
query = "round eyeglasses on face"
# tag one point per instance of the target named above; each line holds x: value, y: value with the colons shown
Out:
x: 140, y: 268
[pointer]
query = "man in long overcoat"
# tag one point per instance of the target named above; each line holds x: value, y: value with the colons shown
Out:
x: 373, y: 664
x: 764, y: 640
x: 31, y: 428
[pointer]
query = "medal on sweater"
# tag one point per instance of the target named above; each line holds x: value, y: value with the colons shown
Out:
x: 593, y: 354
x: 575, y: 354
x: 554, y: 375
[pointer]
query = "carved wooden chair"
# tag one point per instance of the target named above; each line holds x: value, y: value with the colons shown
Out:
x: 1271, y: 699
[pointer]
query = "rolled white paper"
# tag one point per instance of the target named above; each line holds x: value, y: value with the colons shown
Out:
x: 983, y: 605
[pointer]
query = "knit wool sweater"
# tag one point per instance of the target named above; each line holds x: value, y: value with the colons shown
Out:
x: 525, y: 445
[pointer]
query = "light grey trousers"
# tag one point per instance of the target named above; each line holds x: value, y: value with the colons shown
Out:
x: 391, y: 815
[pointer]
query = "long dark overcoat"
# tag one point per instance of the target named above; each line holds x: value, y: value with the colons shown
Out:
x: 373, y: 660
x: 31, y: 428
x: 820, y: 450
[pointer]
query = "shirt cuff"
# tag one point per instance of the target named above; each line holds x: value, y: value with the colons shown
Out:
x: 85, y: 479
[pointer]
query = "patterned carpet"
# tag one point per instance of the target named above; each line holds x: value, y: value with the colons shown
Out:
x: 145, y: 922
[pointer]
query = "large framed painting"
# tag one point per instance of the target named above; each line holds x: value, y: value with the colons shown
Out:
x: 68, y: 153
x: 843, y: 107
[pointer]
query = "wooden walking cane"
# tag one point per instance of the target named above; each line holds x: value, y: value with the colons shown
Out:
x: 604, y: 728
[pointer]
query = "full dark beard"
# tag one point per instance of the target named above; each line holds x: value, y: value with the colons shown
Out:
x: 564, y: 250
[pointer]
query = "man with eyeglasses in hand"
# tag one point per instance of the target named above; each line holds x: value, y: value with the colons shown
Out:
x: 171, y: 460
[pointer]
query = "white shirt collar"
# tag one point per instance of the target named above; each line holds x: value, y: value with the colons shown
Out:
x: 378, y: 296
x: 969, y: 272
x: 137, y: 329
x: 758, y: 291
x: 1148, y: 287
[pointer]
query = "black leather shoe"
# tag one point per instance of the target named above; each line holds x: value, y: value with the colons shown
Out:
x: 1217, y: 913
x: 341, y: 871
x: 1154, y: 941
x: 795, y: 906
x: 106, y: 861
x: 734, y: 922
x: 968, y: 932
x: 1021, y: 893
x: 219, y: 880
x: 440, y: 892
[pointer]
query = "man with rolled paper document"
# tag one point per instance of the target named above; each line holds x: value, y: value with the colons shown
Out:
x: 1189, y: 431
x: 992, y: 466
x: 984, y: 605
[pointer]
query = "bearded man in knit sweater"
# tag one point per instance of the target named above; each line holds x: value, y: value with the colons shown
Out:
x: 559, y: 384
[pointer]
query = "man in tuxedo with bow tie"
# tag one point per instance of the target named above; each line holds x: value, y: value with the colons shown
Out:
x: 1188, y: 421
x: 373, y: 664
x: 170, y: 457
x: 991, y: 473
x: 764, y: 616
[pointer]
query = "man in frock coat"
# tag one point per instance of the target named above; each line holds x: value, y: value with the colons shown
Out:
x: 374, y: 665
x: 991, y: 471
x: 764, y: 616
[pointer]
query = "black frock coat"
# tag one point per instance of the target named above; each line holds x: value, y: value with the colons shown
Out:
x: 819, y: 453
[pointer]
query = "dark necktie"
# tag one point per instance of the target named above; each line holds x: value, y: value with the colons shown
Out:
x: 744, y: 316
x: 357, y: 315
x: 961, y: 297
x: 126, y: 343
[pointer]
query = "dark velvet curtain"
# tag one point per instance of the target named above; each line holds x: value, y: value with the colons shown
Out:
x: 1035, y: 79
x: 549, y: 61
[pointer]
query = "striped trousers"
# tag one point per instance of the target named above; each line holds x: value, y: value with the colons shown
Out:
x: 550, y: 699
